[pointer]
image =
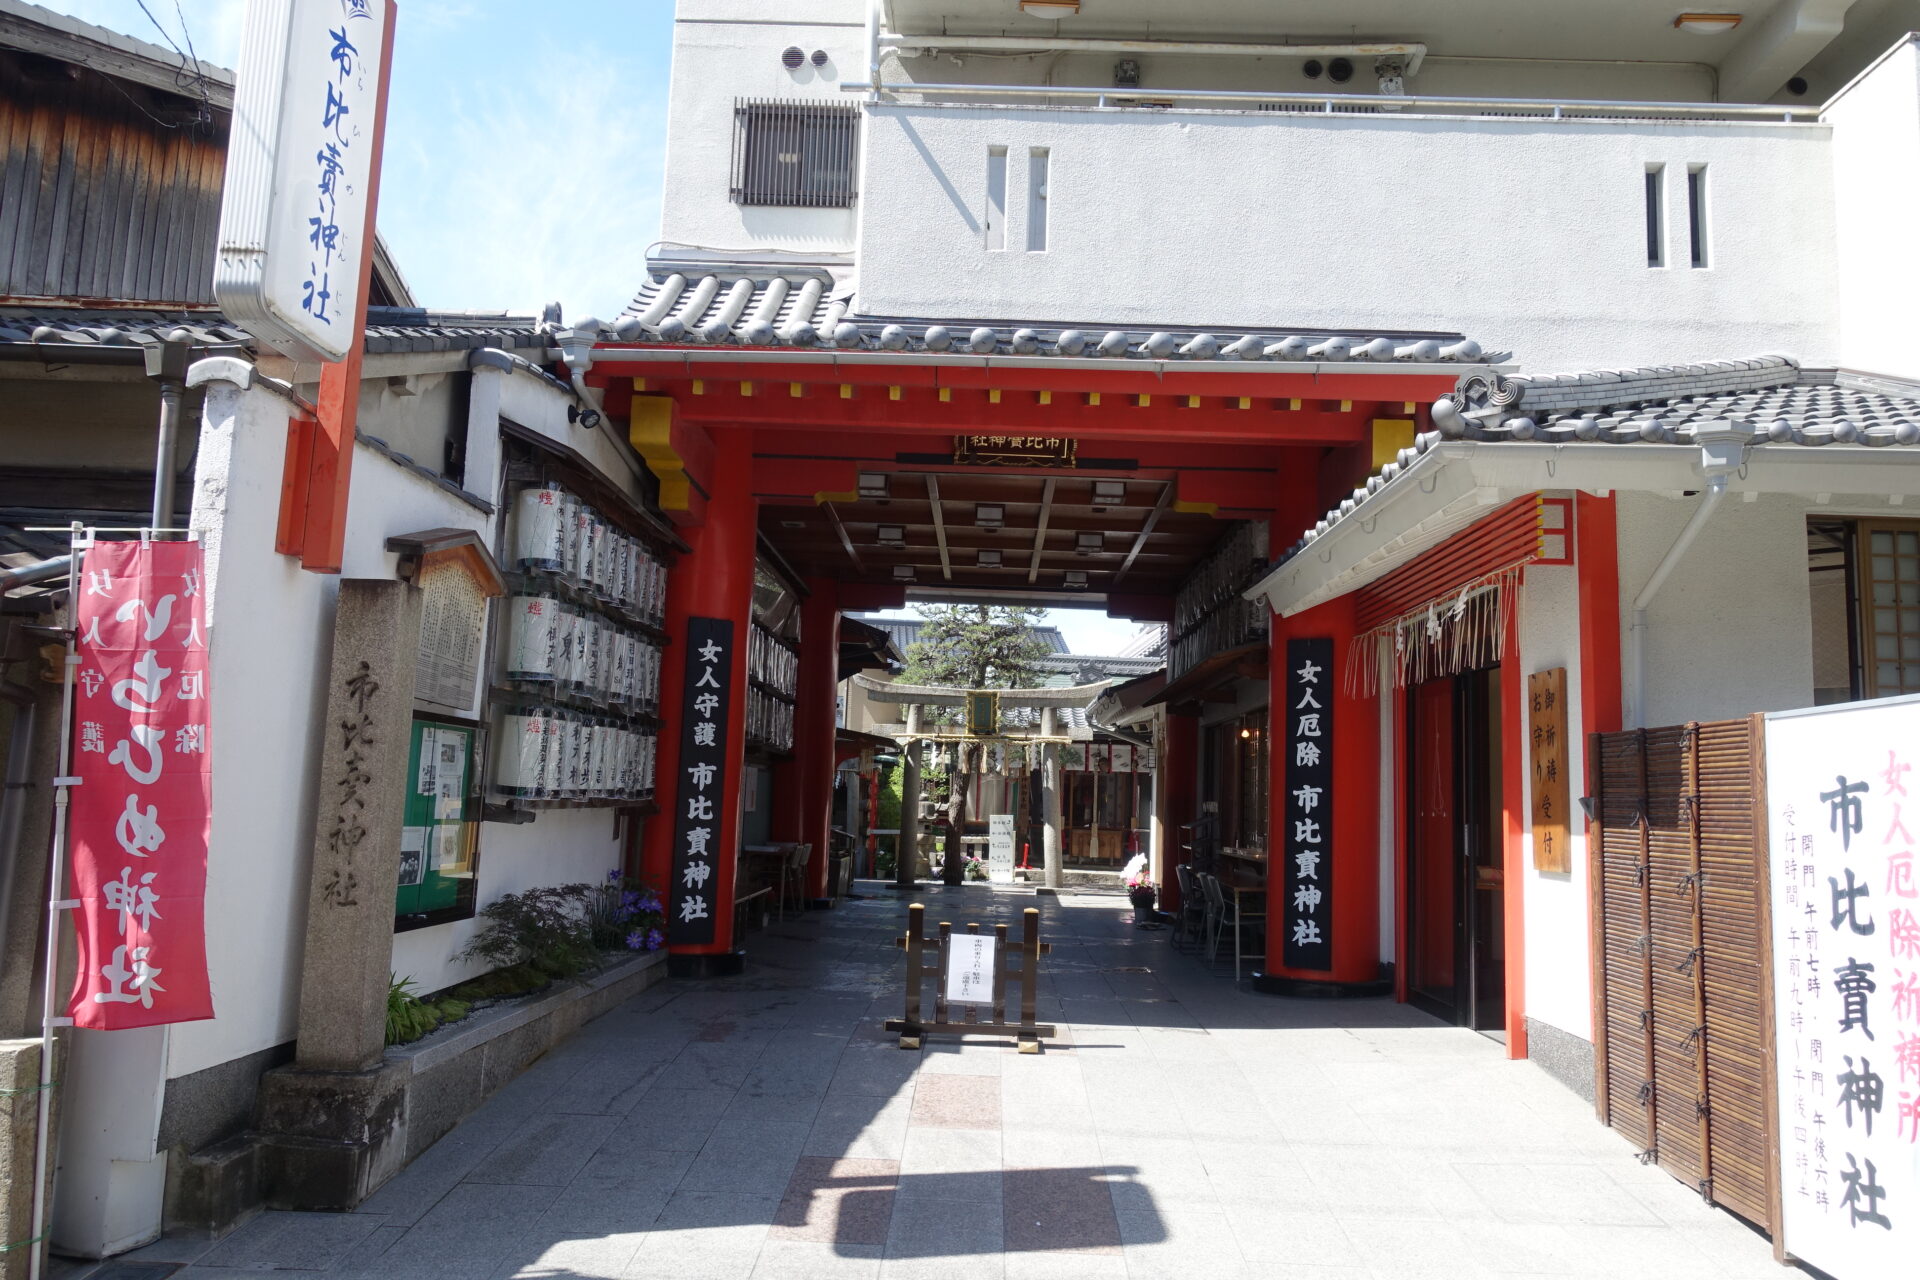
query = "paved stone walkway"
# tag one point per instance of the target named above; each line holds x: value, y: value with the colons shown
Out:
x: 767, y: 1127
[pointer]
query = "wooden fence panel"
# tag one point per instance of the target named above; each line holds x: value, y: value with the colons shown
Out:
x: 1681, y: 1016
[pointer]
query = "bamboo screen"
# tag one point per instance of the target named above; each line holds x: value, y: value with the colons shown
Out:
x: 1683, y: 1017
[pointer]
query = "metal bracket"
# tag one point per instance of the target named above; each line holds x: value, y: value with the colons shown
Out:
x: 67, y: 782
x: 67, y: 904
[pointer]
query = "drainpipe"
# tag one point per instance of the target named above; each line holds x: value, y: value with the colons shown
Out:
x: 167, y: 365
x: 873, y: 50
x: 1722, y: 449
x: 912, y: 46
x: 576, y: 348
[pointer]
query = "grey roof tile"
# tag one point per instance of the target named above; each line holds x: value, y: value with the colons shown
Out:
x: 682, y: 304
x: 1770, y: 397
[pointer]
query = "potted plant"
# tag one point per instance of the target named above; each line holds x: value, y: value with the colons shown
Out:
x: 1140, y: 890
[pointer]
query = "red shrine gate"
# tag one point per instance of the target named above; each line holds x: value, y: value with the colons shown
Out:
x: 866, y: 474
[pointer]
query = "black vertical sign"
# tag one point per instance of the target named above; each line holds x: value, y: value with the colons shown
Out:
x: 699, y: 791
x: 1306, y: 838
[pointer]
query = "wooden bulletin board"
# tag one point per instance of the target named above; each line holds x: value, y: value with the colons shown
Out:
x: 1547, y: 763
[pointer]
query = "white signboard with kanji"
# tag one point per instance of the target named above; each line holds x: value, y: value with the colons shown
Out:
x: 970, y: 968
x: 301, y: 164
x: 1843, y: 802
x: 1000, y: 848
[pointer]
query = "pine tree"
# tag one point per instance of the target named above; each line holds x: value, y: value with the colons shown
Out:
x: 976, y: 646
x: 973, y: 646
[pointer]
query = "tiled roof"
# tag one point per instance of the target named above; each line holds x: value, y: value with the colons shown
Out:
x: 1771, y: 399
x: 906, y: 631
x: 813, y: 307
x: 1087, y: 668
x: 389, y: 329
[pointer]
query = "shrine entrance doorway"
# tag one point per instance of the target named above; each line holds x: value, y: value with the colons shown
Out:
x: 1456, y: 894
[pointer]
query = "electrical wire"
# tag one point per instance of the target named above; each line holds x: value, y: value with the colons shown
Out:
x: 193, y: 84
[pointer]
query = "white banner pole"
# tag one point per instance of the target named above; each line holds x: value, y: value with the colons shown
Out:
x: 77, y: 539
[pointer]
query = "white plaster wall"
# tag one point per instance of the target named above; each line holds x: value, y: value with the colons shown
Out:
x: 1527, y: 235
x: 270, y: 628
x: 1876, y: 178
x: 727, y: 49
x: 1731, y: 632
x: 1557, y: 938
x: 561, y: 846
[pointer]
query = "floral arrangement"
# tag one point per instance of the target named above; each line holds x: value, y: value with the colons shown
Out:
x: 626, y: 913
x: 976, y: 868
x: 1138, y: 875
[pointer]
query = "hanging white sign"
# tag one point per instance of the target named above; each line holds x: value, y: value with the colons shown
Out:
x: 970, y: 968
x: 301, y: 162
x: 1000, y: 848
x: 1846, y: 975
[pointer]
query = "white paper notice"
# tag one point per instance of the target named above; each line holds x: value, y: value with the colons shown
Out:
x: 1846, y: 976
x: 1000, y: 848
x: 413, y: 845
x: 970, y: 968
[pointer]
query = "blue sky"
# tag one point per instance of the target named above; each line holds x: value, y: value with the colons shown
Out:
x: 524, y: 158
x: 524, y: 142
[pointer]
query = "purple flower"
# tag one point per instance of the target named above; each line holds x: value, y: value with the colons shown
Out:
x: 655, y: 940
x: 613, y: 876
x: 637, y: 941
x: 650, y: 901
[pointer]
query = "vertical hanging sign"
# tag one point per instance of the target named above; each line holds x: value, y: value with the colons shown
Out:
x: 301, y: 162
x: 1547, y: 760
x: 1845, y: 896
x: 697, y: 795
x: 139, y: 814
x: 1306, y: 838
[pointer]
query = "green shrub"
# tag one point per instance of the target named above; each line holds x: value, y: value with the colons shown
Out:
x: 408, y: 1018
x: 557, y: 931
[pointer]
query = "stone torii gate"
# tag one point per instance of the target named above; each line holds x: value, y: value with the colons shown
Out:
x: 913, y: 739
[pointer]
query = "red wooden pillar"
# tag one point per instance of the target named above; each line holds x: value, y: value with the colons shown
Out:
x: 713, y: 580
x: 1596, y: 548
x: 815, y: 721
x: 1175, y: 780
x: 1354, y: 852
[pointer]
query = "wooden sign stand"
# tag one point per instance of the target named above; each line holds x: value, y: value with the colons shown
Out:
x: 914, y: 1026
